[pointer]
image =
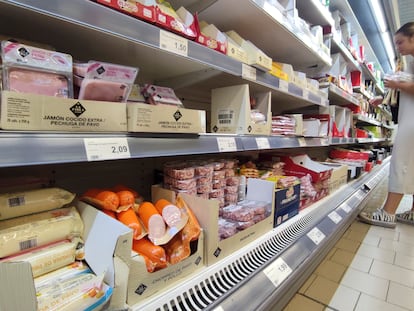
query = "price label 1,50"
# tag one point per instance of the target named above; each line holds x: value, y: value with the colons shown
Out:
x: 106, y: 148
x: 173, y: 43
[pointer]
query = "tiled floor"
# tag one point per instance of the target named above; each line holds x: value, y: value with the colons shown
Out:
x: 370, y: 268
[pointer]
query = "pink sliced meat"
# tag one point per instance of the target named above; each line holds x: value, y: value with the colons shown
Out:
x: 102, y: 90
x: 171, y: 215
x: 38, y: 82
x: 156, y: 226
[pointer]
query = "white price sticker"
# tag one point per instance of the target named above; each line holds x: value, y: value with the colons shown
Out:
x: 278, y: 271
x: 283, y: 85
x: 316, y: 235
x: 173, y: 43
x: 324, y: 141
x: 226, y: 144
x: 346, y: 208
x: 262, y: 143
x: 335, y: 217
x: 248, y: 72
x: 219, y: 308
x: 106, y: 148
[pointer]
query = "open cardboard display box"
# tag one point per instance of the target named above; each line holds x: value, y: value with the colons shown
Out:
x: 231, y: 111
x: 143, y: 284
x: 22, y: 111
x: 207, y: 213
x: 107, y: 252
x: 165, y: 119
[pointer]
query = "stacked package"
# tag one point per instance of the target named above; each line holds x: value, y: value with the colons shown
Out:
x: 283, y: 125
x: 42, y: 228
x: 213, y: 179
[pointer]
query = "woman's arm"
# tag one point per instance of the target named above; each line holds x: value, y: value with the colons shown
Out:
x: 404, y: 86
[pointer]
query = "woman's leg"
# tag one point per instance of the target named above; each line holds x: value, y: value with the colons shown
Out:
x: 392, y: 202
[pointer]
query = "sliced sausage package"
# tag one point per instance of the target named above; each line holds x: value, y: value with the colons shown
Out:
x: 28, y: 69
x: 104, y: 81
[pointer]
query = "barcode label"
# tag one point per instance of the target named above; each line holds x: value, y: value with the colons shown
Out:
x: 27, y: 244
x: 224, y: 121
x: 16, y: 201
x: 225, y: 116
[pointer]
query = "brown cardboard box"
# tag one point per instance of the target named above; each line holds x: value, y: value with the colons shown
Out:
x: 165, y: 119
x: 22, y: 111
x: 207, y: 212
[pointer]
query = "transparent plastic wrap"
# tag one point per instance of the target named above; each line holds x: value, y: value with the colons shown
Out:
x: 28, y: 69
x: 104, y: 81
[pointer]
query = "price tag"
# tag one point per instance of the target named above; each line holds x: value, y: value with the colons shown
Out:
x: 262, y: 143
x: 283, y: 85
x: 335, y: 217
x: 302, y: 141
x: 316, y: 235
x: 324, y: 141
x: 106, y: 148
x: 278, y: 271
x: 219, y: 308
x: 248, y: 72
x: 226, y: 144
x: 346, y: 208
x: 173, y: 43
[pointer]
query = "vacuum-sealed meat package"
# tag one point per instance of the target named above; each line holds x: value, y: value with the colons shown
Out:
x: 104, y: 81
x: 28, y: 69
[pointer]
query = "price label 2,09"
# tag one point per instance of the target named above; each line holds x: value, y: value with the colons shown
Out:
x: 278, y: 271
x: 173, y: 43
x: 106, y: 148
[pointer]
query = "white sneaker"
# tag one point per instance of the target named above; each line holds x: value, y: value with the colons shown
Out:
x: 378, y: 218
x: 406, y: 217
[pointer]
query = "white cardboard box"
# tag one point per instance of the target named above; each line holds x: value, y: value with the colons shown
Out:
x: 207, y: 212
x: 22, y: 111
x: 231, y: 112
x: 165, y: 119
x: 107, y: 250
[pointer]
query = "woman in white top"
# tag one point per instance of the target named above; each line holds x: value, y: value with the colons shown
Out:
x: 401, y: 178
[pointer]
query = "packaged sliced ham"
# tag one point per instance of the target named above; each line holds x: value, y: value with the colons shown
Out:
x: 104, y: 81
x: 29, y: 69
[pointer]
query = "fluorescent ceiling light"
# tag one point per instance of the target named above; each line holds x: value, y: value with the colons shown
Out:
x: 379, y: 15
x: 389, y: 47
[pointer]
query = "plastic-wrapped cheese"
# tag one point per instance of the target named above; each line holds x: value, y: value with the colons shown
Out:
x: 47, y: 258
x: 20, y: 203
x: 27, y: 232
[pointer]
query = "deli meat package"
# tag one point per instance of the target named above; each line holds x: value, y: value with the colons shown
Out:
x: 104, y: 81
x: 28, y: 69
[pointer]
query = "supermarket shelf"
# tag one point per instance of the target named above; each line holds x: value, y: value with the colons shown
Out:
x: 363, y: 119
x: 138, y: 43
x: 338, y: 47
x: 265, y: 18
x: 265, y: 274
x: 314, y: 12
x: 339, y: 97
x: 37, y: 148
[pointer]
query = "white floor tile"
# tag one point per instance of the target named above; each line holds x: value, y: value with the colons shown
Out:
x: 390, y: 234
x: 372, y: 240
x: 401, y: 296
x: 404, y: 261
x: 344, y: 299
x: 361, y: 263
x: 393, y: 273
x: 397, y: 246
x: 368, y: 303
x: 365, y: 283
x: 376, y: 253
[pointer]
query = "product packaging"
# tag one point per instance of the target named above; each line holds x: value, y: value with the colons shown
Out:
x: 28, y: 69
x: 104, y: 81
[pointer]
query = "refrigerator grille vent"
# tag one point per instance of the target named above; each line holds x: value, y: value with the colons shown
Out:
x: 206, y: 292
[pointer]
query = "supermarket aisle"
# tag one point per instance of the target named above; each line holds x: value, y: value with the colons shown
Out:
x: 370, y: 268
